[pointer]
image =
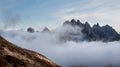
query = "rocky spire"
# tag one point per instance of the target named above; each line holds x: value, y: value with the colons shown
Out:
x: 98, y: 24
x: 79, y: 23
x: 46, y: 30
x: 73, y: 21
x: 87, y: 25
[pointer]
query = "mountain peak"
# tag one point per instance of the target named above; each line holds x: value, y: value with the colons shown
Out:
x: 79, y: 23
x: 87, y: 24
x: 98, y: 24
x: 73, y: 20
x: 46, y: 30
x: 96, y: 32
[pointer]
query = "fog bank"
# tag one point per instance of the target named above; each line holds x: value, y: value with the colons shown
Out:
x: 68, y: 53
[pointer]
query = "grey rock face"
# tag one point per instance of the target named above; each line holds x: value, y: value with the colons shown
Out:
x: 95, y: 33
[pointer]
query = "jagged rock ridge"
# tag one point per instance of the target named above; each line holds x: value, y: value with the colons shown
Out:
x: 14, y: 56
x: 95, y: 33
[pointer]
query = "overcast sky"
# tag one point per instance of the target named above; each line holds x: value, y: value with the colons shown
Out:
x: 52, y: 13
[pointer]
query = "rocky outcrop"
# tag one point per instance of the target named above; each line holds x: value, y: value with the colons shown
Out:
x: 45, y: 30
x: 14, y: 56
x: 106, y: 33
x: 95, y: 33
x: 30, y: 30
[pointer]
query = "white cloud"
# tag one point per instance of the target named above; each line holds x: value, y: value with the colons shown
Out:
x: 68, y: 54
x: 102, y: 11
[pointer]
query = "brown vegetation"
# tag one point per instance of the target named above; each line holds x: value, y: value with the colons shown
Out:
x: 14, y: 56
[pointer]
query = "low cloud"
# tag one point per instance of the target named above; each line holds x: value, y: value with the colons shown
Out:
x: 68, y: 53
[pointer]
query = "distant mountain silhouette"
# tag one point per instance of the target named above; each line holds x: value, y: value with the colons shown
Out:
x: 30, y: 29
x: 45, y: 29
x: 95, y: 33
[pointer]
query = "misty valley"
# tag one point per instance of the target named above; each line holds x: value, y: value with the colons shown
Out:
x: 59, y: 33
x: 74, y: 44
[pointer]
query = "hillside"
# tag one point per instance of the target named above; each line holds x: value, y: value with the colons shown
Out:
x: 14, y: 56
